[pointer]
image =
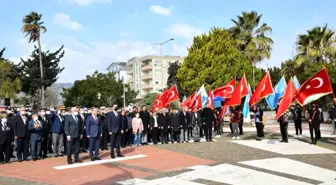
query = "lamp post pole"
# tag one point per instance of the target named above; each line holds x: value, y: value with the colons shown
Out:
x: 161, y: 45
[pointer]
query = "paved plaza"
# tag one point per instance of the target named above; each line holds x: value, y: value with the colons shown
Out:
x: 224, y: 161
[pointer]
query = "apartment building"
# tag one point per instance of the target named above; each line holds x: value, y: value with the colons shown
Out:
x: 120, y: 69
x: 149, y: 73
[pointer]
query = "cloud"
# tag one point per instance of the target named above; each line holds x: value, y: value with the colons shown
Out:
x: 66, y: 21
x: 123, y: 34
x: 184, y: 30
x: 161, y: 10
x: 85, y: 2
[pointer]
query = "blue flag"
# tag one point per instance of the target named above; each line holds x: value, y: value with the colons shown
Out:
x: 204, y: 96
x: 296, y: 83
x: 217, y: 104
x: 279, y: 90
x: 246, y: 108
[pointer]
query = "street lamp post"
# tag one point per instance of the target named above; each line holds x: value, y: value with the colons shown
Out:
x: 161, y: 45
x: 252, y: 69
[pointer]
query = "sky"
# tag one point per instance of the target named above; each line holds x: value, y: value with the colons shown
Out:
x: 96, y: 33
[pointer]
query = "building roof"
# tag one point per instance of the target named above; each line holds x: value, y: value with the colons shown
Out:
x: 121, y: 65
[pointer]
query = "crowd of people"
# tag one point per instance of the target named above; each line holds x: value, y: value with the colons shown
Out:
x: 81, y: 130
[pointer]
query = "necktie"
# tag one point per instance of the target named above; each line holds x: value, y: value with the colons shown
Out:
x: 76, y: 119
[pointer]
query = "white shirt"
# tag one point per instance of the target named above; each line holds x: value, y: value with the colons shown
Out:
x: 155, y: 122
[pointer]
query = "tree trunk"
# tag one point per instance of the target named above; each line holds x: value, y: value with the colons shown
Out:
x: 41, y: 70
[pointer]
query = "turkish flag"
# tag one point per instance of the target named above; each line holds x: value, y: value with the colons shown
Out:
x: 210, y: 103
x: 169, y: 96
x: 197, y: 103
x: 225, y: 91
x: 314, y: 88
x: 187, y: 102
x: 236, y: 95
x: 288, y: 98
x: 263, y: 89
x: 244, y: 87
x: 157, y: 103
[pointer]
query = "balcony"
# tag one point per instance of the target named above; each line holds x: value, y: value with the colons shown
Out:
x: 147, y: 68
x: 129, y: 72
x: 146, y: 77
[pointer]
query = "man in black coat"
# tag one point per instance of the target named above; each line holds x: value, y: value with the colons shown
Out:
x: 145, y: 117
x: 21, y: 135
x: 5, y: 140
x: 46, y: 125
x: 314, y: 121
x: 174, y: 125
x: 163, y: 119
x: 73, y: 132
x: 208, y: 121
x: 184, y: 123
x: 115, y: 127
x: 297, y: 116
x: 10, y: 120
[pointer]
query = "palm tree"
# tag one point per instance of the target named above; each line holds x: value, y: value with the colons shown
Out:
x: 32, y: 27
x: 252, y: 36
x: 288, y: 68
x: 317, y: 45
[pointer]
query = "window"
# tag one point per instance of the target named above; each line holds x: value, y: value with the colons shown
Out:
x: 158, y: 62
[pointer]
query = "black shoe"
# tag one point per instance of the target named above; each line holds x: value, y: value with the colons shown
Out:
x: 98, y: 158
x: 19, y: 160
x: 282, y: 141
x: 78, y: 161
x: 8, y: 162
x: 13, y: 156
x: 61, y: 155
x: 92, y: 158
x: 26, y: 159
x: 313, y: 143
x: 56, y: 155
x: 84, y: 151
x: 112, y: 156
x: 120, y: 155
x: 70, y: 162
x: 34, y: 159
x: 38, y: 158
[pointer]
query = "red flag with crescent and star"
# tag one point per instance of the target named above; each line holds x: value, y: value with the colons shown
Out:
x: 197, y: 103
x: 314, y: 88
x: 263, y: 89
x: 288, y: 98
x: 236, y: 95
x: 244, y: 87
x: 169, y: 96
x: 157, y: 103
x: 210, y: 103
x: 187, y: 102
x: 225, y: 91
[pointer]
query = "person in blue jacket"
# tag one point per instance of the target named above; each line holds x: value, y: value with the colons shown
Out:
x: 35, y: 128
x: 94, y: 132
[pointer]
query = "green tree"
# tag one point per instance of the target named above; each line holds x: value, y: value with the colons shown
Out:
x: 29, y: 72
x: 32, y: 27
x: 85, y: 92
x: 276, y: 74
x: 214, y: 60
x: 252, y: 37
x: 148, y: 100
x: 172, y: 77
x: 10, y: 84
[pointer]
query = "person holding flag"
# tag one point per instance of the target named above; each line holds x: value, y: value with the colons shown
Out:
x: 314, y: 121
x: 258, y: 112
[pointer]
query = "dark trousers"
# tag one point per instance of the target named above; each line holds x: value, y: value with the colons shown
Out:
x: 105, y: 139
x: 231, y: 128
x: 115, y: 143
x: 284, y: 131
x: 123, y: 139
x: 208, y: 131
x: 241, y: 132
x: 130, y: 136
x: 174, y: 136
x: 22, y: 147
x: 260, y: 129
x: 94, y: 146
x: 84, y: 141
x: 190, y: 134
x: 155, y: 135
x: 298, y: 127
x: 35, y: 147
x: 318, y: 134
x: 313, y: 130
x: 73, y: 148
x: 5, y: 148
x: 164, y: 137
x: 201, y: 131
x: 44, y: 146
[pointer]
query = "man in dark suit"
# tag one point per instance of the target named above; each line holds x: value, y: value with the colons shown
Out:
x: 175, y: 126
x: 196, y: 123
x: 10, y: 120
x: 21, y: 135
x: 5, y: 140
x: 35, y: 127
x: 94, y: 132
x: 314, y: 121
x: 57, y: 130
x: 163, y: 119
x: 184, y: 123
x: 84, y: 141
x: 45, y: 131
x: 115, y: 127
x: 73, y: 131
x: 145, y: 117
x: 208, y: 120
